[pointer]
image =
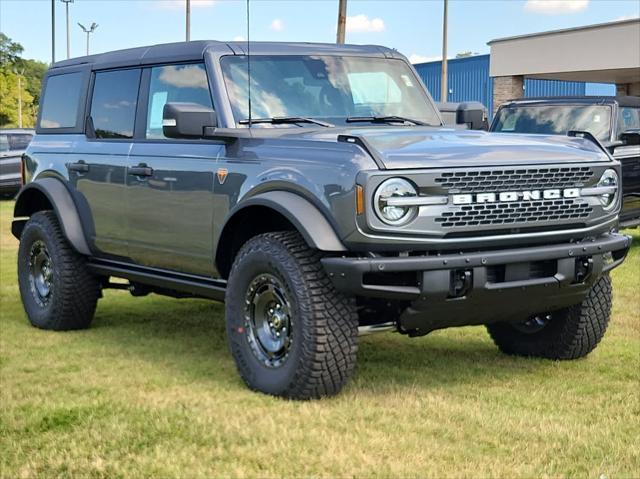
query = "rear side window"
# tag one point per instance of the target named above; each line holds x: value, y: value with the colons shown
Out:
x: 19, y: 141
x: 113, y: 105
x: 175, y: 83
x: 61, y: 100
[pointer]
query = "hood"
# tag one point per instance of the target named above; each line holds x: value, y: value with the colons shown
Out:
x: 409, y: 148
x: 428, y: 147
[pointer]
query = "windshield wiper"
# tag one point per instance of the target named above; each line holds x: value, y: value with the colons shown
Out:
x: 383, y: 119
x: 281, y: 120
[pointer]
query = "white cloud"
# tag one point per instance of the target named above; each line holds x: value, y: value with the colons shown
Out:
x: 415, y: 58
x: 631, y: 16
x: 239, y: 38
x: 277, y: 25
x: 181, y: 4
x: 556, y: 7
x: 361, y: 23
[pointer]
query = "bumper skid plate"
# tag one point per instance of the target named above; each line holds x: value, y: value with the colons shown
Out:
x: 443, y: 290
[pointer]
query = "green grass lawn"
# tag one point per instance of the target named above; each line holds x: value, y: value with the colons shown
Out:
x: 151, y: 391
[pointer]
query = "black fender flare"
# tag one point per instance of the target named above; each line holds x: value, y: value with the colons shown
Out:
x: 303, y: 215
x: 63, y: 206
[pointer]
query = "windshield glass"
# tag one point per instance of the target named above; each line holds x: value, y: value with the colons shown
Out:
x: 330, y: 88
x: 555, y: 119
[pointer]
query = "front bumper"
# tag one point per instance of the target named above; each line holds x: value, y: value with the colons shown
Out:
x: 480, y: 287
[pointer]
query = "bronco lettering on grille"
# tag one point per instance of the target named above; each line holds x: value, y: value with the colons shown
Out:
x: 508, y: 196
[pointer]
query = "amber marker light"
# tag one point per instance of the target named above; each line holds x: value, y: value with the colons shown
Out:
x: 359, y: 200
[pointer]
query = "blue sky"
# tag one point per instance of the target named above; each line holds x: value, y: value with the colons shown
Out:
x: 414, y: 27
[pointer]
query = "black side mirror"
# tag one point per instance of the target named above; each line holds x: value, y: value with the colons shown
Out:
x: 473, y: 114
x: 187, y: 120
x: 630, y: 137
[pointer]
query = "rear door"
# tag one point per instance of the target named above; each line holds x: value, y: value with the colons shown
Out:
x: 170, y: 205
x: 98, y: 166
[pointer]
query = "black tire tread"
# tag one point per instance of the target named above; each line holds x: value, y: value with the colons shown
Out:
x: 330, y: 348
x: 77, y: 290
x: 576, y: 333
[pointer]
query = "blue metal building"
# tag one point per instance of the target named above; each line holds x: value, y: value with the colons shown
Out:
x: 469, y: 80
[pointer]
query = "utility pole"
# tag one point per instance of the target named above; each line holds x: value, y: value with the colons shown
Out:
x: 53, y: 31
x: 88, y: 31
x: 66, y: 7
x: 188, y: 26
x: 444, y: 90
x: 342, y: 21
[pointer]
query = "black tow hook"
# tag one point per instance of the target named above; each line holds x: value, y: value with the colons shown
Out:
x: 460, y: 283
x: 584, y: 268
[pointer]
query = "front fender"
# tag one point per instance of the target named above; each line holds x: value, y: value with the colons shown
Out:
x: 29, y: 201
x: 307, y: 219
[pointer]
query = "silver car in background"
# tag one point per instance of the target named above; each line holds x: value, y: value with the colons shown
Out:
x: 13, y: 143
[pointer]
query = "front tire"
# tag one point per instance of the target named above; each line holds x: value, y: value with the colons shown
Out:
x: 570, y: 333
x: 290, y: 333
x: 58, y: 291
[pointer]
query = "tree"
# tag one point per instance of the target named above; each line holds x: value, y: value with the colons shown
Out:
x: 31, y: 71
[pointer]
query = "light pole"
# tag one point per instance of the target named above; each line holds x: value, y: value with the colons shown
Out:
x: 19, y: 73
x: 444, y: 90
x: 88, y: 31
x: 342, y: 21
x: 188, y: 25
x: 66, y: 7
x: 53, y: 31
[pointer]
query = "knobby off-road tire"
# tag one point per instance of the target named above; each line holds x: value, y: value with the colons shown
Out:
x: 277, y: 278
x: 570, y: 333
x: 58, y: 291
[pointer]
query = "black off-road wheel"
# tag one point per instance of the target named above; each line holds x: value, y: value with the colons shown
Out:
x: 570, y: 333
x: 58, y: 291
x: 290, y: 332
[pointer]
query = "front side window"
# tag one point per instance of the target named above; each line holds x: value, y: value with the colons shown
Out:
x: 628, y: 119
x: 113, y: 106
x: 330, y: 88
x: 175, y: 83
x: 555, y: 119
x: 61, y: 101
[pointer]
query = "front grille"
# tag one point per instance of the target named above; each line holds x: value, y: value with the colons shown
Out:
x: 514, y: 179
x: 506, y: 213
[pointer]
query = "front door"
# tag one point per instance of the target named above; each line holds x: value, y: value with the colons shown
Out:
x: 170, y: 182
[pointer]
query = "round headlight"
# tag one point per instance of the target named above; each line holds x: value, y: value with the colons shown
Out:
x: 609, y: 179
x: 394, y: 214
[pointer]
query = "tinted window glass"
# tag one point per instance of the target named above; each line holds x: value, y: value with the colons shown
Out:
x: 555, y: 120
x: 325, y: 87
x: 19, y: 141
x: 113, y: 107
x: 175, y: 83
x: 628, y: 119
x: 61, y: 100
x: 4, y: 143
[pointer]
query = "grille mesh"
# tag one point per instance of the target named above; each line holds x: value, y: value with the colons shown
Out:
x: 514, y: 179
x: 515, y: 212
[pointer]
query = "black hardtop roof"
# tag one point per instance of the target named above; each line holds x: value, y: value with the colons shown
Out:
x: 195, y: 50
x: 632, y: 101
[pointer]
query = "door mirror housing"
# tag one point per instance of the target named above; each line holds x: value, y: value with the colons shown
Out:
x: 630, y: 137
x: 473, y: 114
x: 187, y: 120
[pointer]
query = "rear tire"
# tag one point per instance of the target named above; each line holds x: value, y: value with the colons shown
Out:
x: 58, y: 291
x: 290, y: 333
x: 570, y: 333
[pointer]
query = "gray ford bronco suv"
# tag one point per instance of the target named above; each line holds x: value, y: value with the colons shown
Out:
x: 314, y: 190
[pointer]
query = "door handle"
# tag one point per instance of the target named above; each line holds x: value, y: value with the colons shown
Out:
x: 141, y: 170
x: 79, y: 167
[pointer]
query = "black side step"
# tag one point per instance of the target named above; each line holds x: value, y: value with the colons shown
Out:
x: 163, y: 279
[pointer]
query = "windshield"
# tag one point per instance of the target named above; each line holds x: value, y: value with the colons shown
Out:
x: 555, y: 119
x: 329, y: 88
